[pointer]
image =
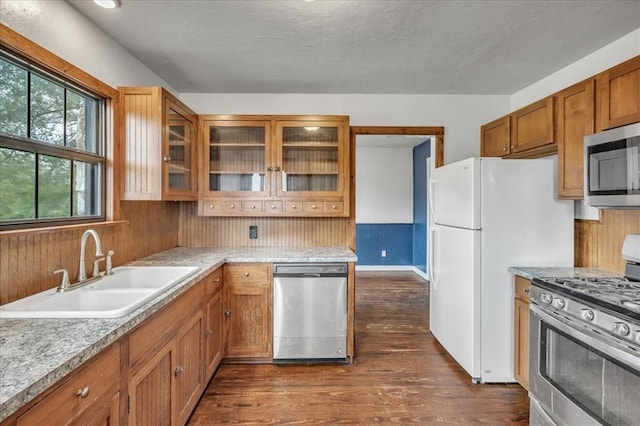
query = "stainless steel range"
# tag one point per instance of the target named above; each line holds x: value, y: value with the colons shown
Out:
x: 585, y: 347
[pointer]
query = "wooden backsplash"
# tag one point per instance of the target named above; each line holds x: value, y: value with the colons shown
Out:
x: 27, y: 260
x: 196, y: 231
x: 599, y: 243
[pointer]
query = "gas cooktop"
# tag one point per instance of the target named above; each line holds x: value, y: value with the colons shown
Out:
x: 620, y: 292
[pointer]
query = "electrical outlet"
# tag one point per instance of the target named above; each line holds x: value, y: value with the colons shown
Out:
x: 384, y: 253
x: 253, y: 232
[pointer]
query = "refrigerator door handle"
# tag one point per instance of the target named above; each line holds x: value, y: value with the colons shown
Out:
x: 432, y: 199
x: 432, y: 259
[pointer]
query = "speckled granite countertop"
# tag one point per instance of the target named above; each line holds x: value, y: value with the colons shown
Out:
x: 36, y: 353
x: 530, y: 272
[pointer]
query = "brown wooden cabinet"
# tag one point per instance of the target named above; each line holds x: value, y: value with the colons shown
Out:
x: 525, y: 133
x: 521, y: 330
x: 495, y: 138
x: 166, y: 363
x: 575, y: 116
x: 189, y: 370
x: 275, y: 166
x: 532, y: 126
x: 618, y: 95
x: 90, y: 393
x: 214, y: 332
x: 247, y: 311
x: 159, y: 146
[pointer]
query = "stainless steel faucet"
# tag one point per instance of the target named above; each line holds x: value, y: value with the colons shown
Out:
x: 82, y: 273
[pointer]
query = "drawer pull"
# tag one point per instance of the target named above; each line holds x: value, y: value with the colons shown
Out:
x: 208, y: 332
x: 526, y: 290
x: 232, y: 206
x: 253, y: 206
x: 246, y: 274
x: 211, y: 206
x: 294, y: 207
x: 178, y: 371
x: 83, y: 393
x: 334, y: 207
x: 273, y: 206
x: 314, y: 207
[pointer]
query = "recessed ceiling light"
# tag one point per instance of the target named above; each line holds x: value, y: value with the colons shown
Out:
x: 107, y: 4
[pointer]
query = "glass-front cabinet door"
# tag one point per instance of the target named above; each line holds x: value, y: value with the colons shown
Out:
x: 311, y: 158
x: 179, y: 164
x: 236, y: 159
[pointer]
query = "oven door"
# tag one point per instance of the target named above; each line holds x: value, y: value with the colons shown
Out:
x: 578, y: 376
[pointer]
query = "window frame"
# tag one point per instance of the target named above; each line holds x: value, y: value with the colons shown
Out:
x: 45, y: 64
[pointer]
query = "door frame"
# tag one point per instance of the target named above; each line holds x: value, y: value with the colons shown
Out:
x: 437, y: 131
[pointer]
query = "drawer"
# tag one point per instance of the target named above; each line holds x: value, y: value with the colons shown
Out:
x: 213, y: 282
x: 522, y: 288
x: 314, y: 207
x: 336, y: 207
x: 210, y: 208
x: 231, y: 207
x: 249, y: 273
x: 99, y: 380
x: 252, y: 207
x: 293, y: 207
x: 273, y: 206
x: 160, y: 328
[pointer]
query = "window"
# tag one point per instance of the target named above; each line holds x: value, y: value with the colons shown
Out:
x: 52, y: 162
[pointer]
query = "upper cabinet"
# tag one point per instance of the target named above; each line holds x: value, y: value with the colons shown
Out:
x: 575, y: 120
x: 159, y: 145
x: 525, y: 133
x: 618, y: 95
x: 275, y: 165
x: 532, y: 126
x: 495, y: 138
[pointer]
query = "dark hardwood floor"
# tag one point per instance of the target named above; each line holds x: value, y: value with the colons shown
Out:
x: 401, y: 375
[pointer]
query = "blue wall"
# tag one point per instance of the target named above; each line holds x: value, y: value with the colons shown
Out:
x: 420, y: 155
x: 395, y: 238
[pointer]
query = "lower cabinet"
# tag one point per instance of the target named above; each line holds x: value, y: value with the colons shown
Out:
x: 247, y: 311
x: 521, y: 329
x: 90, y: 396
x: 213, y: 333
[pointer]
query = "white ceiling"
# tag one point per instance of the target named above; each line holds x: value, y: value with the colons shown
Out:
x: 361, y: 46
x: 389, y: 141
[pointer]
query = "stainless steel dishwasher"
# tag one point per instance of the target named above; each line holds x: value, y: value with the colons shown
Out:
x: 309, y: 312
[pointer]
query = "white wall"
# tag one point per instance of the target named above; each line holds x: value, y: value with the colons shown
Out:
x: 461, y: 115
x: 61, y: 29
x: 384, y: 185
x: 614, y: 53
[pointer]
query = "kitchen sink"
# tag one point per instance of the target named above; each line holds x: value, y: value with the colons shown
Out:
x: 111, y: 297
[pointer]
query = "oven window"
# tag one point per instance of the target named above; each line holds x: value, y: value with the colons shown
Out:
x: 613, y: 167
x: 600, y: 385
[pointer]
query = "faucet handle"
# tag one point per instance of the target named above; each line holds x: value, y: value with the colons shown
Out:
x: 109, y: 270
x: 64, y: 284
x: 96, y: 267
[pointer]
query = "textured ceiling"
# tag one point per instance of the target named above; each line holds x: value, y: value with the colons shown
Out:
x: 358, y: 46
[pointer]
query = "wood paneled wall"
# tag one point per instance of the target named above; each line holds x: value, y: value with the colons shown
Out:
x: 28, y: 259
x: 599, y: 243
x: 198, y: 231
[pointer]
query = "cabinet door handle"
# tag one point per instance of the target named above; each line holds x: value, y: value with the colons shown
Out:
x: 217, y: 280
x: 270, y: 168
x: 208, y: 332
x: 276, y: 168
x: 166, y: 159
x: 504, y: 149
x: 83, y: 393
x: 246, y: 274
x: 526, y: 290
x: 178, y: 371
x: 227, y: 314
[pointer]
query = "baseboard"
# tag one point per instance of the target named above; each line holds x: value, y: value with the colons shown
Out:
x: 418, y: 271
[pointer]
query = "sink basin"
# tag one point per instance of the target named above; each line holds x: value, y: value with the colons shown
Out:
x: 111, y: 297
x: 146, y: 277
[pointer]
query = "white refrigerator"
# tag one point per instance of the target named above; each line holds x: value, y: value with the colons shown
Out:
x: 488, y: 214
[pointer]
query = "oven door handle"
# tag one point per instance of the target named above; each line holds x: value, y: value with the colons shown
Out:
x: 602, y: 342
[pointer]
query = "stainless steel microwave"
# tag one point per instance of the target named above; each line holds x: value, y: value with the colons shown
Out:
x: 612, y: 168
